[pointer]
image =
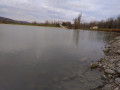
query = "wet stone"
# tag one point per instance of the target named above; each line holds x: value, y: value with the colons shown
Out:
x: 103, y: 77
x: 109, y: 71
x: 65, y: 79
x: 93, y: 65
x: 107, y: 87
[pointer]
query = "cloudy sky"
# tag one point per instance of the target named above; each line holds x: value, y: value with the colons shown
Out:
x: 65, y: 10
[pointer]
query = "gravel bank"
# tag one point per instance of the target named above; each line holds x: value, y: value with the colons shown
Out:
x: 110, y: 66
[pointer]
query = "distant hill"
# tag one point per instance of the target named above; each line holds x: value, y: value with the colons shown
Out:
x: 8, y: 20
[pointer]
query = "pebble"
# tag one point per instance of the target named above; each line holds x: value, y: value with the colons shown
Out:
x: 117, y: 88
x: 93, y: 65
x: 118, y: 70
x: 118, y: 64
x: 109, y: 71
x: 117, y: 80
x: 112, y: 60
x: 100, y: 65
x: 118, y: 52
x: 107, y: 87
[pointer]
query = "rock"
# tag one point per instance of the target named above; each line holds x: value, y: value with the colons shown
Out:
x: 100, y: 65
x: 105, y: 67
x: 107, y: 87
x: 118, y: 52
x: 111, y: 66
x: 72, y: 77
x: 110, y: 76
x: 118, y: 64
x: 106, y: 50
x: 65, y: 79
x: 112, y: 60
x: 117, y: 88
x: 93, y: 65
x: 119, y: 43
x: 117, y: 80
x: 109, y: 71
x: 103, y: 77
x: 83, y: 59
x: 117, y: 37
x: 118, y: 70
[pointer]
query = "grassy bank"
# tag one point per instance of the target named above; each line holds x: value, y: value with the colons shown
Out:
x: 57, y: 26
x: 109, y: 30
x: 42, y: 25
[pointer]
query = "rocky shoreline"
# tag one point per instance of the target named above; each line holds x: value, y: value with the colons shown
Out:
x: 110, y: 66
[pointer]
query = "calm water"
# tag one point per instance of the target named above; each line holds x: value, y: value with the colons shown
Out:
x: 42, y: 58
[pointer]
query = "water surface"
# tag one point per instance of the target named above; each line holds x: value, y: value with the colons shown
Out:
x: 43, y: 58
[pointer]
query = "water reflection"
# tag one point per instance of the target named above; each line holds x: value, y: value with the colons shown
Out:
x: 76, y: 36
x: 38, y: 58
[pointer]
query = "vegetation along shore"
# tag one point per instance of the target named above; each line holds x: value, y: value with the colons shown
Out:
x: 110, y: 24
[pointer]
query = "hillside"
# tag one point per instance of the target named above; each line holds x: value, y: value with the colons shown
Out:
x: 8, y: 20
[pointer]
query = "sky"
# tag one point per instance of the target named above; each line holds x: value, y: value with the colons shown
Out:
x: 62, y: 10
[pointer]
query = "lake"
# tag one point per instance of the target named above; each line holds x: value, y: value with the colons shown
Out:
x: 46, y: 58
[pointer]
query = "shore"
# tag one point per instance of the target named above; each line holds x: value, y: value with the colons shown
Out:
x: 108, y: 30
x: 33, y: 25
x: 110, y: 66
x: 53, y: 26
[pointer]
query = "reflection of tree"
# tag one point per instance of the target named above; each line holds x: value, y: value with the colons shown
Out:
x: 76, y: 36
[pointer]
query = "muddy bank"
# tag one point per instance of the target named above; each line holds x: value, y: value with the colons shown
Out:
x: 110, y: 66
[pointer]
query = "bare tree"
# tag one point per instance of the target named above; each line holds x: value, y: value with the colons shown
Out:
x: 77, y: 21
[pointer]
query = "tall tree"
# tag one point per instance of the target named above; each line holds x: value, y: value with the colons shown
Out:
x: 77, y: 22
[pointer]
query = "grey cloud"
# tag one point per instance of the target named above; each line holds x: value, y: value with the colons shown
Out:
x: 42, y: 10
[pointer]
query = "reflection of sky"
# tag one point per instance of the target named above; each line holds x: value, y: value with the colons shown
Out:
x: 41, y: 10
x: 39, y: 39
x: 31, y: 55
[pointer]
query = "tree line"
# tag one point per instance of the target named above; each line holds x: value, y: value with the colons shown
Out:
x: 110, y: 23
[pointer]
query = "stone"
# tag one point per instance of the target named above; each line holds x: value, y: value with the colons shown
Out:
x: 118, y: 52
x: 112, y: 60
x: 65, y: 79
x: 100, y: 65
x: 110, y: 76
x: 118, y: 70
x: 105, y: 67
x: 103, y: 77
x: 72, y: 77
x: 118, y: 64
x: 106, y: 49
x: 93, y: 65
x: 119, y: 43
x: 109, y: 71
x: 117, y: 80
x: 111, y: 66
x: 107, y: 87
x: 117, y: 88
x: 117, y: 37
x: 84, y: 59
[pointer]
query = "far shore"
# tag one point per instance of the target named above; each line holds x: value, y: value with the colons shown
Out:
x: 109, y: 30
x: 32, y: 25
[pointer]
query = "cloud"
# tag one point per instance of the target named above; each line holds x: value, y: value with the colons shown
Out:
x: 41, y: 10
